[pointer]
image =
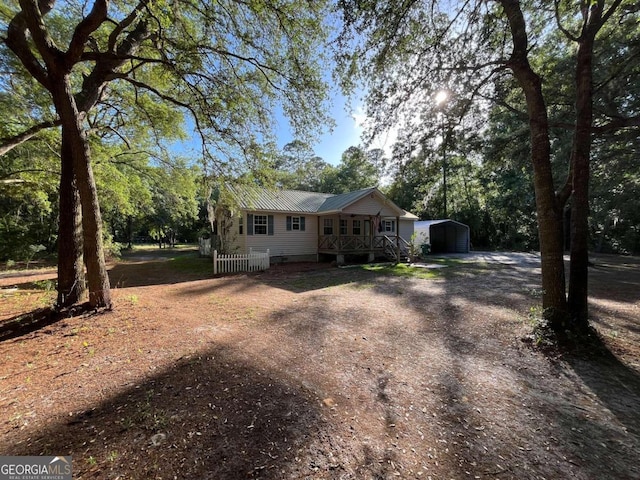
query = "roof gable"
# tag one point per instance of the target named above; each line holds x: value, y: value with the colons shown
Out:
x: 339, y: 202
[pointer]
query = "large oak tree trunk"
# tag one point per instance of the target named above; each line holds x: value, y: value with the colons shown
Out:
x: 580, y: 155
x: 548, y: 208
x: 71, y: 277
x: 78, y: 149
x: 550, y: 218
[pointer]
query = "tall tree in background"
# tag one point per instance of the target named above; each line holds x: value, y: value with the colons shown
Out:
x: 407, y: 51
x: 299, y: 168
x: 226, y: 63
x: 174, y: 202
x: 358, y: 168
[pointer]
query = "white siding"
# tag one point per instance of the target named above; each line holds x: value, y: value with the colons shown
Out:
x: 237, y: 239
x: 422, y: 235
x: 285, y: 243
x: 406, y: 229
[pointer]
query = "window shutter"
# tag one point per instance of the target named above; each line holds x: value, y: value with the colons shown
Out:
x: 249, y: 224
x: 302, y: 224
x: 270, y: 225
x: 288, y: 223
x: 393, y: 225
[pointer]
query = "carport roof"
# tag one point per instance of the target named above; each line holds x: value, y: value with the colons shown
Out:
x: 428, y: 223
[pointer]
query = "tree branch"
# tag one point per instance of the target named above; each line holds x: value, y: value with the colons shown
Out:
x: 113, y: 36
x: 18, y: 42
x: 566, y: 32
x: 5, y: 178
x: 86, y: 27
x: 34, y: 14
x: 617, y: 123
x: 9, y: 143
x: 107, y: 64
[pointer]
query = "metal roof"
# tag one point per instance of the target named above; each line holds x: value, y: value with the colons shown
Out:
x: 296, y: 201
x: 275, y: 200
x: 428, y: 223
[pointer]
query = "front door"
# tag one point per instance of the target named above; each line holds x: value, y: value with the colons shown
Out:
x: 367, y: 233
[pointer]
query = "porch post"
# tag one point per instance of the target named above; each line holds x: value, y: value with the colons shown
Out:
x: 340, y: 256
x: 398, y: 238
x: 319, y: 238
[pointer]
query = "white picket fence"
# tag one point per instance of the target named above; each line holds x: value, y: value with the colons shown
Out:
x: 251, y: 262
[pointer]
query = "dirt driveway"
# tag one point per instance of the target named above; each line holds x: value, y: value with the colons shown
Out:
x: 309, y: 371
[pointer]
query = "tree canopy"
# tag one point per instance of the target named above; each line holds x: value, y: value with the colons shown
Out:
x: 91, y: 68
x: 500, y: 53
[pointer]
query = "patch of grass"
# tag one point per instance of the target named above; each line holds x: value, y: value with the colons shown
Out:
x: 315, y: 282
x: 450, y: 262
x: 220, y: 301
x: 146, y: 416
x: 403, y: 270
x: 191, y: 263
x: 362, y: 285
x: 46, y: 285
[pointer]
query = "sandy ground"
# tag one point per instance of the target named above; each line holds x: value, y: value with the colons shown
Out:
x: 309, y: 371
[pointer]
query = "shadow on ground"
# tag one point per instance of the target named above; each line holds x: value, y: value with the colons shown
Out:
x: 159, y: 267
x: 309, y: 277
x: 38, y: 319
x: 211, y: 416
x: 615, y: 384
x: 497, y: 409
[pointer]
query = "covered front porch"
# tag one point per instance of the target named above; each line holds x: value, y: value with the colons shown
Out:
x: 372, y: 236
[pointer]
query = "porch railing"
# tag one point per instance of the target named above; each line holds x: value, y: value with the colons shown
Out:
x: 344, y: 242
x: 394, y: 250
x: 356, y: 243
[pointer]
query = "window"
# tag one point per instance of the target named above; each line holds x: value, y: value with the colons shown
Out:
x: 388, y: 225
x: 259, y: 224
x: 240, y: 225
x: 343, y: 227
x: 295, y: 223
x: 355, y: 227
x: 328, y: 226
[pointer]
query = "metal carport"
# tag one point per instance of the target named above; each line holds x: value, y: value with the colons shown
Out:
x: 444, y: 236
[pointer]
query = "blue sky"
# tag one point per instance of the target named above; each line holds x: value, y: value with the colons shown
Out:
x: 348, y: 130
x: 331, y: 144
x: 347, y: 115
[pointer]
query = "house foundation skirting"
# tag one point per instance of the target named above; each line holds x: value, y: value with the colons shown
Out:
x: 341, y: 256
x: 313, y: 257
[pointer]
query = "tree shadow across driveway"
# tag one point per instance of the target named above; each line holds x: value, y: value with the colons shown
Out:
x: 38, y: 319
x: 210, y: 416
x: 159, y: 267
x: 615, y: 384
